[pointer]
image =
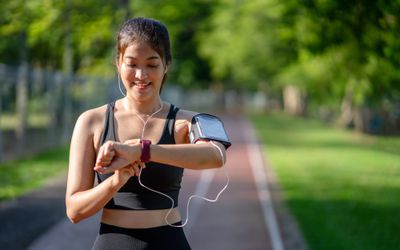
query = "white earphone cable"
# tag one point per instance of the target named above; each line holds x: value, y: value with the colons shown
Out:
x: 119, y: 85
x: 192, y: 196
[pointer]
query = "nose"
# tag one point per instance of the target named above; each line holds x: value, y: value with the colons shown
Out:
x: 140, y: 73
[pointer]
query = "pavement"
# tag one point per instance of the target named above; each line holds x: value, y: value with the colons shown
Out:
x: 248, y: 215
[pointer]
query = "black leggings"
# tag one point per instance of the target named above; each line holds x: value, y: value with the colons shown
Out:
x: 163, y: 237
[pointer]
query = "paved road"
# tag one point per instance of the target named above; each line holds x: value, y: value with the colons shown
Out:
x: 243, y: 218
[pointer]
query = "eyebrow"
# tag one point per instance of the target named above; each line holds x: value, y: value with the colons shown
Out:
x: 149, y: 58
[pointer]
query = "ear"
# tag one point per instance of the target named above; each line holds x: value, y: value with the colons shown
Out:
x: 166, y: 69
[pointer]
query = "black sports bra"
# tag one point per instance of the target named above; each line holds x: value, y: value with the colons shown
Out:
x: 157, y: 176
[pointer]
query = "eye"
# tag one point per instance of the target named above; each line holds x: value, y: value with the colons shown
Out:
x: 130, y: 64
x: 153, y: 65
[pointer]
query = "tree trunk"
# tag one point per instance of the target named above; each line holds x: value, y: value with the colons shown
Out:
x: 294, y: 100
x: 1, y: 109
x: 346, y: 110
x: 22, y: 103
x: 22, y: 94
x: 68, y: 71
x: 359, y: 121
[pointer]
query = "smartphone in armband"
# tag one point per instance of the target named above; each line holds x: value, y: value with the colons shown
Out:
x: 208, y: 127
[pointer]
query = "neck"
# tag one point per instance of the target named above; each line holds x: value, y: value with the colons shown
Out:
x: 143, y: 108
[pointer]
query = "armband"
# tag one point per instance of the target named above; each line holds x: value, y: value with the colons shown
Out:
x: 208, y: 127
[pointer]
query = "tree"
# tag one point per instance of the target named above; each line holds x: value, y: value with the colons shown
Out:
x: 246, y: 42
x: 184, y: 20
x: 347, y: 55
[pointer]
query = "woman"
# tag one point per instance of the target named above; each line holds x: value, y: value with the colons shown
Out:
x: 138, y: 132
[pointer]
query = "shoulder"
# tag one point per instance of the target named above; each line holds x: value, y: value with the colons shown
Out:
x: 90, y: 120
x: 185, y: 115
x: 182, y: 125
x: 92, y: 116
x: 89, y: 125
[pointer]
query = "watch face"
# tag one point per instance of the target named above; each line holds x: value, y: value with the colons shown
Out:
x: 211, y: 127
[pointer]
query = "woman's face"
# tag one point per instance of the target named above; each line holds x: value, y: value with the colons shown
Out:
x: 142, y: 70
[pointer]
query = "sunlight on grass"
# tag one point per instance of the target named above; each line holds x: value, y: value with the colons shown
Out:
x: 343, y: 187
x: 21, y: 176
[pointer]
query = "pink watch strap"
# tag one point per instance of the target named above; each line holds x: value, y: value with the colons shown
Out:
x: 145, y: 156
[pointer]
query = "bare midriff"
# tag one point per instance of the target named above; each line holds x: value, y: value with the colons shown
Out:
x: 139, y: 218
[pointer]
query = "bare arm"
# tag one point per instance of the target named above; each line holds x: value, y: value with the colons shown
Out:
x: 82, y: 199
x: 202, y: 155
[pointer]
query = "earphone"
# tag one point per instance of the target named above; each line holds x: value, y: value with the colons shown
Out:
x: 192, y: 196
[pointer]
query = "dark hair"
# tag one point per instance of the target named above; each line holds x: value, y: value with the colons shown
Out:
x: 153, y: 32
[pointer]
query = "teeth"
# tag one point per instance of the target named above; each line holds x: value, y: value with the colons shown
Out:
x: 142, y: 83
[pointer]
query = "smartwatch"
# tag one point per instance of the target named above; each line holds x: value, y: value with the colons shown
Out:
x: 145, y: 156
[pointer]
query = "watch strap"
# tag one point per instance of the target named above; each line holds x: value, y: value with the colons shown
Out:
x: 145, y: 155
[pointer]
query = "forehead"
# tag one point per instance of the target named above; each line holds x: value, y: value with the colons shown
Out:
x: 141, y: 50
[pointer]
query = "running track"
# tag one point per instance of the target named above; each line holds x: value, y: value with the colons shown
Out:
x: 243, y: 217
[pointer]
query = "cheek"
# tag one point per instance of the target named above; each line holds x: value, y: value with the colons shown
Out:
x: 155, y: 75
x: 126, y: 72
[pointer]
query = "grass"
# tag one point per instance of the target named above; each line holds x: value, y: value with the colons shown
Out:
x: 343, y: 187
x: 22, y: 176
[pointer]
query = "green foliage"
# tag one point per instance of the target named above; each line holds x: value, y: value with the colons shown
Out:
x: 349, y: 39
x: 254, y: 41
x: 327, y: 48
x: 184, y: 19
x: 21, y: 176
x: 42, y: 26
x: 342, y: 187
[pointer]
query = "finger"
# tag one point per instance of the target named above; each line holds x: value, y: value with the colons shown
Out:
x: 106, y: 154
x: 108, y: 157
x: 129, y: 169
x: 99, y: 155
x: 101, y: 170
x: 117, y: 163
x: 142, y: 165
x: 104, y: 162
x: 103, y: 151
x: 136, y: 169
x: 108, y: 149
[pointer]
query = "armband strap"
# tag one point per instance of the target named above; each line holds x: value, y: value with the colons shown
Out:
x: 208, y: 127
x: 145, y: 156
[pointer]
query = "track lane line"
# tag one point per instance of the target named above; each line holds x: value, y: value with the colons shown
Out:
x: 202, y: 187
x: 260, y: 177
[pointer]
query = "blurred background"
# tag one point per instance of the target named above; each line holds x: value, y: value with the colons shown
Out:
x: 332, y: 62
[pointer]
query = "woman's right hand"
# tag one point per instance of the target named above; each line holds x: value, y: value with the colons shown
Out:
x: 125, y: 173
x: 114, y: 155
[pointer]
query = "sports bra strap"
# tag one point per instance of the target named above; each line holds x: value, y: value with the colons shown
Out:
x: 108, y: 128
x: 171, y: 119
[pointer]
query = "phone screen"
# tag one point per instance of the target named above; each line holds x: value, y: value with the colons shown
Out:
x: 211, y: 127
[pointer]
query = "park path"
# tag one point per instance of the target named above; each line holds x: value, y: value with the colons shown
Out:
x: 243, y: 218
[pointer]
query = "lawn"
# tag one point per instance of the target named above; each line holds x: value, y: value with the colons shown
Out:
x: 343, y: 187
x: 21, y: 176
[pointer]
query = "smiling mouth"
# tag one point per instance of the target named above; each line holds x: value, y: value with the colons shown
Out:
x: 141, y: 85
